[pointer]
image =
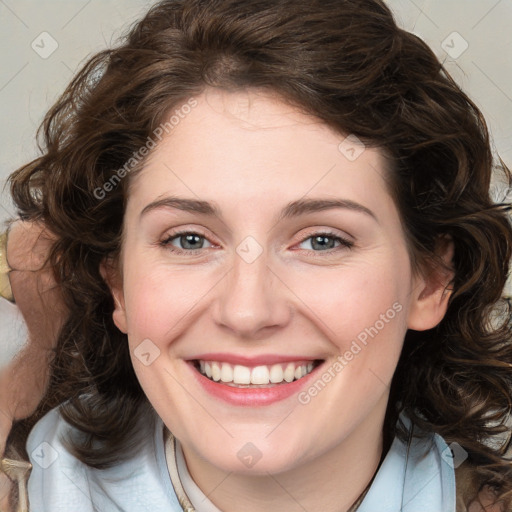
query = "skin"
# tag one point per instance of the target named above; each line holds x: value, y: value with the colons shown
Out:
x: 291, y: 154
x: 24, y: 380
x: 251, y: 154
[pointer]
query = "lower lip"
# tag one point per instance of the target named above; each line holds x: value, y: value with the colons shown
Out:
x: 252, y: 397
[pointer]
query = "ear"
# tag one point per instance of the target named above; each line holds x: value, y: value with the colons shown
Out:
x: 112, y: 276
x: 432, y: 290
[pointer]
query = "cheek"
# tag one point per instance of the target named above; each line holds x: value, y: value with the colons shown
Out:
x: 354, y: 301
x: 158, y: 299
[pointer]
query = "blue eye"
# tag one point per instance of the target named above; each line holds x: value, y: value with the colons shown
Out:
x: 190, y: 242
x: 320, y: 242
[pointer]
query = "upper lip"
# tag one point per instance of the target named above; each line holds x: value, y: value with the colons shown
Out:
x: 263, y: 359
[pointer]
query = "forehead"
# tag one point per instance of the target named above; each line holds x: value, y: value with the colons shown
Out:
x: 249, y: 146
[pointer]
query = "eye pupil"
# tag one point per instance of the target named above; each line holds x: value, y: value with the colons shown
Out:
x: 193, y: 241
x: 320, y: 242
x: 189, y: 239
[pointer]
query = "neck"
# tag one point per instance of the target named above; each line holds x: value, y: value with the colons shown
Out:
x: 350, y: 466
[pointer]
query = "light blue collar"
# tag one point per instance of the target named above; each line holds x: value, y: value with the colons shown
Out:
x: 414, y: 477
x: 417, y: 476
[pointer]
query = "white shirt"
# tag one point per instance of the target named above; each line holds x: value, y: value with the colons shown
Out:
x: 197, y: 498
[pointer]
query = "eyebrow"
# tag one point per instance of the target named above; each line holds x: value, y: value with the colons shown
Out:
x: 292, y: 209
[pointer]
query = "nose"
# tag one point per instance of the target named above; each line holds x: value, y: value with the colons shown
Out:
x: 252, y: 299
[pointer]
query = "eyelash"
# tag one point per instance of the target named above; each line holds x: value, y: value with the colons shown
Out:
x: 344, y: 243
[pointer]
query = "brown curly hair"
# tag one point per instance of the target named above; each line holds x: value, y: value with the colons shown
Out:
x: 347, y: 63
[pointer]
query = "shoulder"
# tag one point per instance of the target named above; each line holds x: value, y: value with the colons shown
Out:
x: 466, y: 486
x: 60, y: 482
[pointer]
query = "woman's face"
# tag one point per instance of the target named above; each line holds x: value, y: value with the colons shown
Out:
x: 268, y: 281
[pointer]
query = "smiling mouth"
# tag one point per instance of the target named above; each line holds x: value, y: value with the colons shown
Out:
x: 262, y: 376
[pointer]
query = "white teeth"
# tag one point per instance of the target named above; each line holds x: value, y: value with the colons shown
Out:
x: 215, y: 371
x: 289, y: 373
x: 258, y: 375
x: 241, y: 374
x: 276, y: 374
x: 226, y: 373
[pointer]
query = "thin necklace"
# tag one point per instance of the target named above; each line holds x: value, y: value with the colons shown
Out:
x: 186, y: 505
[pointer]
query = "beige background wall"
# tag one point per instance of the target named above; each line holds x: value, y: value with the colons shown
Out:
x: 42, y: 43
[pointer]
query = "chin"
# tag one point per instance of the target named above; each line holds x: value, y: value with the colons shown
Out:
x: 258, y: 457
